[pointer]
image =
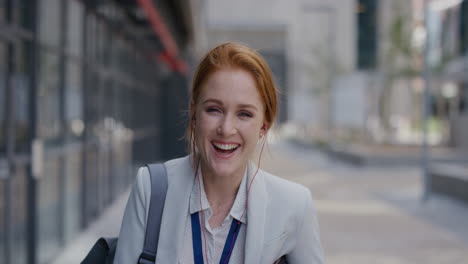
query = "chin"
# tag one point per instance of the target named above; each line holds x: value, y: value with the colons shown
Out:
x: 224, y: 170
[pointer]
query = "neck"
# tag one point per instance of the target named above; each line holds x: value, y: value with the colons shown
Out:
x: 220, y: 190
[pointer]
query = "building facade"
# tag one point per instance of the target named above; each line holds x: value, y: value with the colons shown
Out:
x: 381, y: 100
x: 88, y: 91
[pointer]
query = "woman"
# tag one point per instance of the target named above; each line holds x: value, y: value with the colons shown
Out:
x: 217, y: 188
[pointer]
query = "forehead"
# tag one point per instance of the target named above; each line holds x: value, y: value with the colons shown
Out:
x: 231, y: 86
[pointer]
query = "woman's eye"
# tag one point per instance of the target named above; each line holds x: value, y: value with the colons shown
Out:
x: 245, y: 114
x: 212, y: 109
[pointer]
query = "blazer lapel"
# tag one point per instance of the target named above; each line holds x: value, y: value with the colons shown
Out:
x: 256, y: 213
x: 180, y: 179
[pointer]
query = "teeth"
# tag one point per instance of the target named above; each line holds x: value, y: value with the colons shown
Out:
x: 226, y: 146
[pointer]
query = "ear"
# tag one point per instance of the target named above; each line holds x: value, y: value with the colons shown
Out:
x: 263, y: 130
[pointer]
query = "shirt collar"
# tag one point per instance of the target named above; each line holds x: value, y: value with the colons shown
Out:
x: 239, y: 203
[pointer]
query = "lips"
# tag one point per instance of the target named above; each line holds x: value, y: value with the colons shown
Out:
x: 224, y: 147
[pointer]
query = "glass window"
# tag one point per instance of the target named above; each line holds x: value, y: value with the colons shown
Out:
x: 106, y: 98
x: 3, y: 81
x: 19, y: 220
x: 99, y: 42
x: 3, y: 227
x: 367, y: 34
x: 119, y: 50
x: 74, y: 100
x: 92, y: 104
x: 49, y: 22
x: 26, y: 14
x: 124, y: 105
x: 91, y: 174
x: 114, y: 49
x: 49, y: 211
x: 107, y: 49
x: 73, y: 193
x: 117, y: 111
x: 90, y: 36
x: 20, y: 83
x: 75, y: 15
x: 127, y: 106
x: 464, y: 27
x: 463, y: 103
x: 2, y: 13
x: 21, y: 111
x: 20, y: 13
x: 48, y: 95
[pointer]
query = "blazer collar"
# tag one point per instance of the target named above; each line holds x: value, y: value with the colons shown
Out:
x: 256, y: 213
x: 180, y: 174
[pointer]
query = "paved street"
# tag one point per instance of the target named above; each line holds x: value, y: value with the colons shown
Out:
x: 374, y: 215
x: 367, y: 215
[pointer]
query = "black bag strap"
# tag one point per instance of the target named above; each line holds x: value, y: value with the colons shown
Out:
x: 158, y: 176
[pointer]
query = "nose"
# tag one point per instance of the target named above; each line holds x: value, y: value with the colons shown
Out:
x: 227, y: 126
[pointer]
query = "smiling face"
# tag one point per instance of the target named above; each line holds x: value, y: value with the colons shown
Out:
x: 228, y: 122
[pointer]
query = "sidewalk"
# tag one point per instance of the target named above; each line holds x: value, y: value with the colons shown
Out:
x: 374, y: 214
x: 107, y: 225
x: 447, y: 166
x: 390, y: 155
x: 367, y: 215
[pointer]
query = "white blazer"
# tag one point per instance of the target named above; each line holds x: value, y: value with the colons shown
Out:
x: 281, y: 219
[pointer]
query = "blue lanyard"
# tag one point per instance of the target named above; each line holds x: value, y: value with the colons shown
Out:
x: 197, y: 240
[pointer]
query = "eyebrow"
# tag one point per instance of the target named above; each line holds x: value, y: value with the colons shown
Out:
x: 211, y: 100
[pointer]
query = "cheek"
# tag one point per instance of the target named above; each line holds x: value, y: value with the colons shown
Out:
x: 205, y: 125
x: 251, y: 133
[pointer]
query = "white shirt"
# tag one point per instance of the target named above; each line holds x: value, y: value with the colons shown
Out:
x: 215, y: 238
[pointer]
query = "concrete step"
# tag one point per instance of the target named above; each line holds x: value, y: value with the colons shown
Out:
x: 450, y: 180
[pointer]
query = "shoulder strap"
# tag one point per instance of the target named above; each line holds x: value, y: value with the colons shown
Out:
x: 158, y: 176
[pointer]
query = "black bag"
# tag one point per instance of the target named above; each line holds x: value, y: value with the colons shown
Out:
x: 283, y: 260
x: 103, y: 251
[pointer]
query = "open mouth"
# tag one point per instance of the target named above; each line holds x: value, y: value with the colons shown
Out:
x: 225, y: 148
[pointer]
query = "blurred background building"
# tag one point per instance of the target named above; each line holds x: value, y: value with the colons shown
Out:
x: 91, y: 89
x: 351, y: 72
x: 85, y: 88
